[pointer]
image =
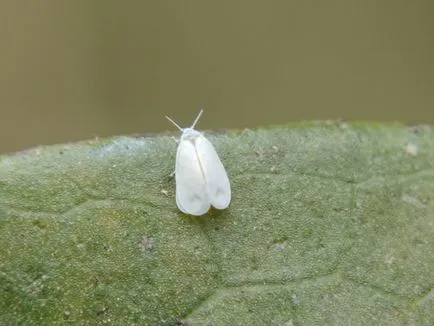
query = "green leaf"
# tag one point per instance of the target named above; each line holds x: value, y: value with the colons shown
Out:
x: 330, y: 224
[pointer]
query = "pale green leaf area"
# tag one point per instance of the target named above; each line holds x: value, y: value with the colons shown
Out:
x: 330, y: 224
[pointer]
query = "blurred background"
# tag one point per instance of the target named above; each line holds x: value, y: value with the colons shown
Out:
x: 72, y: 70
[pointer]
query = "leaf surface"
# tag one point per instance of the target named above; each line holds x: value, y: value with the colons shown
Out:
x: 329, y: 224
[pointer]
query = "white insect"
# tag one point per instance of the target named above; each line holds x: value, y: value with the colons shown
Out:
x: 201, y: 179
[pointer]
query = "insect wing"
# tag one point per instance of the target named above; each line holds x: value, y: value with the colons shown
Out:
x: 191, y: 192
x: 217, y: 182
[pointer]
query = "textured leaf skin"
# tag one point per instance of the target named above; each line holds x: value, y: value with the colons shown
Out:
x: 330, y: 224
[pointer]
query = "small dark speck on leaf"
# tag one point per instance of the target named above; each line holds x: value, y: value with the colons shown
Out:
x: 420, y: 129
x: 259, y: 153
x: 101, y: 311
x: 179, y: 321
x: 95, y: 280
x: 38, y: 224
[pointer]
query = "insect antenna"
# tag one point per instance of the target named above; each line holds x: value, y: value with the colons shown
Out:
x: 197, y: 119
x: 174, y: 123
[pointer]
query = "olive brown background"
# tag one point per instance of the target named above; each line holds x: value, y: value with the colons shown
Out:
x: 72, y: 70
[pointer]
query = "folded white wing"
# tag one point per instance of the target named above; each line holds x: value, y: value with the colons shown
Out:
x: 191, y: 191
x: 216, y: 179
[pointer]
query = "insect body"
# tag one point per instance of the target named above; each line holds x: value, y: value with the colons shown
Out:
x: 201, y: 179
